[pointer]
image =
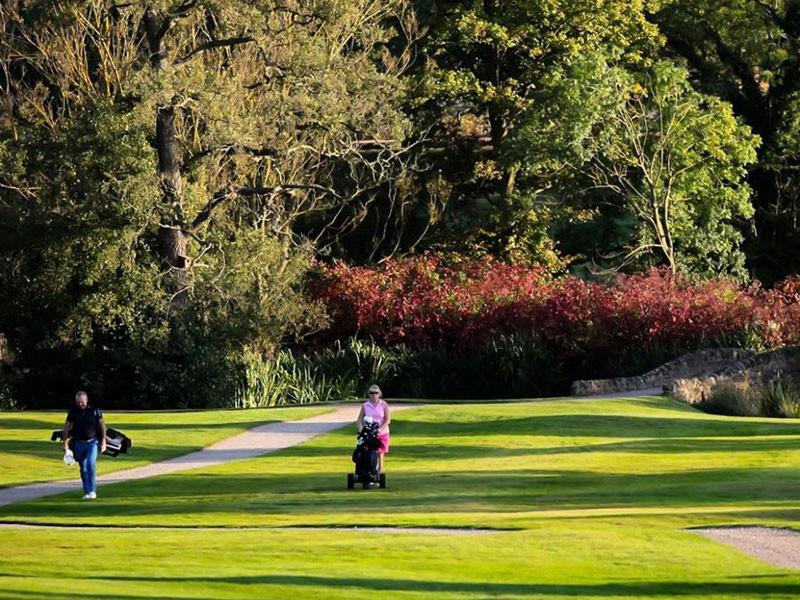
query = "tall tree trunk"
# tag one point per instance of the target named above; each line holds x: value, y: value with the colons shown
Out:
x: 154, y: 27
x: 172, y: 239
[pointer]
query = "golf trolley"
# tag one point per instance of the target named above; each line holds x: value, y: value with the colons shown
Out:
x: 365, y: 457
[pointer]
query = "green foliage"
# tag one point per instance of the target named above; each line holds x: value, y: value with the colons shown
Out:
x: 7, y: 401
x: 85, y: 290
x: 573, y: 134
x: 777, y: 398
x: 364, y: 362
x: 505, y: 367
x: 344, y: 371
x: 508, y: 366
x: 735, y: 399
x: 676, y: 159
x: 746, y: 53
x: 262, y: 383
x: 781, y: 398
x: 341, y: 372
x: 492, y: 66
x: 488, y: 64
x: 265, y: 132
x: 287, y: 379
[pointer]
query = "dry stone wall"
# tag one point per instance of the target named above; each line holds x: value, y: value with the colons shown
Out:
x: 759, y: 369
x: 695, y: 364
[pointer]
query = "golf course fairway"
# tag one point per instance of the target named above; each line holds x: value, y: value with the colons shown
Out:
x: 540, y: 499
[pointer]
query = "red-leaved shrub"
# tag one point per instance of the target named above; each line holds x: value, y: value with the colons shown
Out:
x: 429, y: 301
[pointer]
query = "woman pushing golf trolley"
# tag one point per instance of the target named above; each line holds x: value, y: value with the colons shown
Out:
x: 372, y: 441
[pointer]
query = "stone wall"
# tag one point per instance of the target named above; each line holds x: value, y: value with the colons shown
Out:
x: 759, y: 369
x: 694, y: 364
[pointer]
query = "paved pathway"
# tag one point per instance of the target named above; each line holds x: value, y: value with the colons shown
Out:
x: 260, y: 440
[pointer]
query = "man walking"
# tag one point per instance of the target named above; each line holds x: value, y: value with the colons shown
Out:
x: 85, y: 429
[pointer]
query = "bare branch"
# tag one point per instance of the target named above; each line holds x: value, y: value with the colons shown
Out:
x: 250, y: 191
x: 228, y: 149
x: 210, y: 45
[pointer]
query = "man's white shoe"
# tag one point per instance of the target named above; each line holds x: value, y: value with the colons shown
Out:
x: 92, y: 495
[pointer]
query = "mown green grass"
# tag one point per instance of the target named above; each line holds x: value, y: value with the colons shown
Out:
x: 581, y: 560
x: 597, y: 496
x: 28, y: 456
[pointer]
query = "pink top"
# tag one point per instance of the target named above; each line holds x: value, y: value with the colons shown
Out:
x: 376, y: 411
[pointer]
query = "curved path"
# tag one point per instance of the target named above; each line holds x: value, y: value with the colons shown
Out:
x: 258, y: 441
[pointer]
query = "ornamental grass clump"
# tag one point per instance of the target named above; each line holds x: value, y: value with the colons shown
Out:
x: 288, y: 378
x: 781, y: 398
x: 734, y: 397
x: 693, y: 390
x: 745, y: 397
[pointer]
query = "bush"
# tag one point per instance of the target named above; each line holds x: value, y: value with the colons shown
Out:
x: 744, y: 398
x: 286, y: 379
x: 781, y: 398
x: 6, y: 399
x: 518, y: 365
x: 428, y: 301
x: 737, y: 398
x: 123, y: 341
x: 454, y: 310
x: 363, y: 362
x: 692, y: 390
x: 512, y: 366
x: 341, y: 372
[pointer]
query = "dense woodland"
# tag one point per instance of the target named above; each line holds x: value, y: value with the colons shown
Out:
x: 178, y: 179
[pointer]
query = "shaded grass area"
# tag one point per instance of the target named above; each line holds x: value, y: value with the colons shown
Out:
x: 28, y: 456
x: 598, y: 493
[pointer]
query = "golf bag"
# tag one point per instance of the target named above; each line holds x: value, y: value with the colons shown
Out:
x: 116, y: 441
x: 365, y: 456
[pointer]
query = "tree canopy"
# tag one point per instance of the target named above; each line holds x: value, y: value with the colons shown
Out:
x: 171, y: 170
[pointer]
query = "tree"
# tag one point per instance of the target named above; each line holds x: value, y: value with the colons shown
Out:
x: 486, y: 64
x: 748, y: 53
x: 675, y: 157
x: 164, y: 164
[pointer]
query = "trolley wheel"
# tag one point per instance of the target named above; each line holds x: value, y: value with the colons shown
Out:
x: 351, y: 481
x: 382, y: 480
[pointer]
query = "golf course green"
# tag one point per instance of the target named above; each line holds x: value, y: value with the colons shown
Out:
x: 541, y: 499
